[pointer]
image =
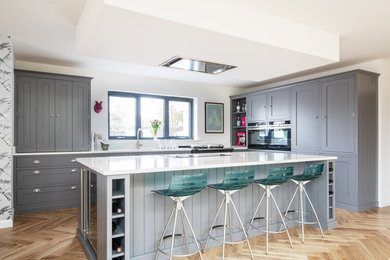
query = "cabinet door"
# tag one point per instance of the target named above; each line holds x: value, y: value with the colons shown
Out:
x: 305, y: 132
x: 63, y: 114
x: 26, y: 132
x: 279, y: 105
x: 337, y: 111
x: 257, y: 107
x: 81, y: 116
x: 346, y: 182
x: 45, y: 115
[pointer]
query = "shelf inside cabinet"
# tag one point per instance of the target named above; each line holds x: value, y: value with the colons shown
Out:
x: 116, y: 254
x: 239, y: 127
x: 239, y: 113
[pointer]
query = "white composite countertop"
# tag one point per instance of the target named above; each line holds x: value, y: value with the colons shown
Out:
x: 162, y: 163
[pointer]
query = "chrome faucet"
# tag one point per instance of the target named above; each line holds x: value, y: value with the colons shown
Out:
x: 139, y: 135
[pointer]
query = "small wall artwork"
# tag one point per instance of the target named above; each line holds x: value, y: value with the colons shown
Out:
x: 214, y: 118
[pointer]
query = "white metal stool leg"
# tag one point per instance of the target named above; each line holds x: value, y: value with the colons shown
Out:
x: 242, y: 227
x: 212, y: 224
x: 281, y: 216
x: 314, y: 211
x: 257, y: 209
x: 163, y: 234
x: 301, y: 211
x: 173, y: 233
x: 193, y: 233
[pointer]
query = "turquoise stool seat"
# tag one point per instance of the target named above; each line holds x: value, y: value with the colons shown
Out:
x: 181, y: 188
x: 276, y: 177
x: 232, y: 182
x: 311, y: 172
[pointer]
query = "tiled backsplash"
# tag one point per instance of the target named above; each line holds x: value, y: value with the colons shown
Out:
x: 6, y: 125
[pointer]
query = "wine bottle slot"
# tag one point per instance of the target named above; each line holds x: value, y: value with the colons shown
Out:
x: 114, y: 227
x: 116, y: 245
x: 116, y: 208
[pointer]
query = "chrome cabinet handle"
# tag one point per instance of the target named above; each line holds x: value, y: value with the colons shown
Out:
x: 73, y: 188
x: 73, y: 170
x: 52, y: 115
x: 57, y: 115
x: 36, y: 172
x: 73, y: 160
x: 324, y: 116
x: 36, y: 162
x: 36, y: 190
x: 315, y: 117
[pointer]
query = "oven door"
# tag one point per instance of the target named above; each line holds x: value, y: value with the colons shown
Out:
x: 258, y: 138
x: 280, y: 138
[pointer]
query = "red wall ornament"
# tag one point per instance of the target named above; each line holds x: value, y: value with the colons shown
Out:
x: 98, y: 106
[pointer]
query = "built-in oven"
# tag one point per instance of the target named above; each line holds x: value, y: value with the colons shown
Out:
x: 279, y: 135
x: 273, y: 135
x: 258, y: 135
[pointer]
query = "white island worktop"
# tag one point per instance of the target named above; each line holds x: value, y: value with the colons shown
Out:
x: 163, y: 163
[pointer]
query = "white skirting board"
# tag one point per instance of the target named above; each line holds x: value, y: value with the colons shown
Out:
x: 6, y: 223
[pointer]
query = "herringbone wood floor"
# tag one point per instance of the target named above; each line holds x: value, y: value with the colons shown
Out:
x: 51, y: 235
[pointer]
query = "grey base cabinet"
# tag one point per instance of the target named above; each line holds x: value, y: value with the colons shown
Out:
x: 52, y: 112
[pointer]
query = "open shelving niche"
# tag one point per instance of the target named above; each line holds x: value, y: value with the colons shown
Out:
x: 119, y: 234
x: 234, y: 117
x: 331, y: 190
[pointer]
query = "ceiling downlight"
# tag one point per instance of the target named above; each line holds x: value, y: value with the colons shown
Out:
x: 197, y: 65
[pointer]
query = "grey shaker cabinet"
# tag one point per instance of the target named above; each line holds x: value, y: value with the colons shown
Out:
x: 26, y: 120
x: 271, y: 105
x: 338, y: 115
x: 257, y: 107
x: 63, y: 115
x: 52, y: 112
x: 80, y: 116
x: 305, y: 117
x: 278, y: 105
x: 45, y: 115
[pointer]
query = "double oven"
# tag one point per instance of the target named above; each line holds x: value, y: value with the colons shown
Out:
x: 271, y: 135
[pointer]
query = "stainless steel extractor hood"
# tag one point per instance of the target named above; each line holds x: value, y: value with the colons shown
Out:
x: 196, y: 65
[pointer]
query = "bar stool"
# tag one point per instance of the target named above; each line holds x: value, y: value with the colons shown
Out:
x: 232, y: 182
x: 311, y: 172
x: 181, y: 188
x: 276, y: 176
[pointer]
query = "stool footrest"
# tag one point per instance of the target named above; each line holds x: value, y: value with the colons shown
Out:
x: 301, y: 222
x: 227, y: 242
x: 179, y: 235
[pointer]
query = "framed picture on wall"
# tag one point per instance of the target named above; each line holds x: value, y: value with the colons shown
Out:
x: 214, y: 118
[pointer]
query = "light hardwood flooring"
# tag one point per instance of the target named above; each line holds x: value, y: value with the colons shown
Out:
x: 366, y: 235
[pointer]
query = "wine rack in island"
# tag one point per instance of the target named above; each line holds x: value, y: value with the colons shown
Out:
x: 118, y: 219
x: 238, y: 110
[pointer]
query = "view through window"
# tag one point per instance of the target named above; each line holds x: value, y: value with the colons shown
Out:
x: 130, y: 111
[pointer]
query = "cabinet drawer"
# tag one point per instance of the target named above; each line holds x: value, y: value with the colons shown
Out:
x: 46, y: 196
x: 41, y: 177
x: 47, y: 161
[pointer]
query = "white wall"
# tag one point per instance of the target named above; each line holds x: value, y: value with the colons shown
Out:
x: 104, y: 81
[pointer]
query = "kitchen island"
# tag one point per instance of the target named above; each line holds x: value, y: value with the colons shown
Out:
x: 127, y: 182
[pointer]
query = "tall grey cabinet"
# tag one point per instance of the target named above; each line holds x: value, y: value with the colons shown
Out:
x: 52, y: 112
x: 337, y: 115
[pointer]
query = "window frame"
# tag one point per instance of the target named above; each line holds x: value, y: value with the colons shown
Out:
x: 166, y: 100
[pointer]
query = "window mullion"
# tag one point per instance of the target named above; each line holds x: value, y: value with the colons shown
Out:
x: 166, y: 118
x: 138, y: 114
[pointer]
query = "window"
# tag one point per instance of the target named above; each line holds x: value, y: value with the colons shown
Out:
x: 128, y: 111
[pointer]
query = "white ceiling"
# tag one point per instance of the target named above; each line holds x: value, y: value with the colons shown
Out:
x: 265, y: 39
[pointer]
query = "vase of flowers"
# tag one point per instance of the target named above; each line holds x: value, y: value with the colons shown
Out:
x: 155, y: 125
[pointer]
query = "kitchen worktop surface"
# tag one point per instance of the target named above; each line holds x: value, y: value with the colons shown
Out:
x: 160, y: 163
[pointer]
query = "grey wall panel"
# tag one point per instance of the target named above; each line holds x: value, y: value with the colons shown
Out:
x: 45, y: 115
x: 81, y: 116
x: 63, y: 114
x: 367, y: 94
x: 26, y: 137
